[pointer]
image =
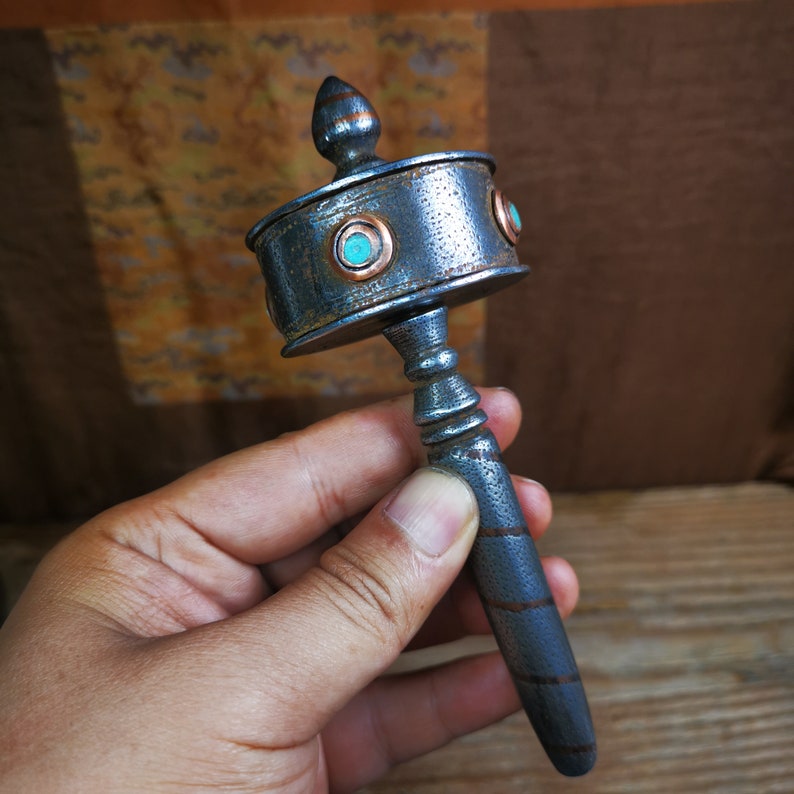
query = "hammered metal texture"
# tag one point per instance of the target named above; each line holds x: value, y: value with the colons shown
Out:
x: 446, y: 240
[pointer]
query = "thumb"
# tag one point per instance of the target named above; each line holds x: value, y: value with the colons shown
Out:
x: 311, y: 647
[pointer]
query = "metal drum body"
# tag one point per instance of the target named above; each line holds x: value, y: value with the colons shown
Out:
x: 446, y: 240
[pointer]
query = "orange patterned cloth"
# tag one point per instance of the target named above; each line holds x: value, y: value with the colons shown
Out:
x: 186, y: 134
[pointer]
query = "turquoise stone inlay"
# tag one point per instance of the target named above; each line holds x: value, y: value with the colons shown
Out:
x: 514, y: 215
x: 357, y: 249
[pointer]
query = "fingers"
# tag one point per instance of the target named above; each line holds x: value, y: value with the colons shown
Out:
x: 268, y: 501
x: 402, y: 717
x: 563, y: 583
x: 535, y: 505
x: 331, y: 632
x: 460, y: 613
x: 532, y: 496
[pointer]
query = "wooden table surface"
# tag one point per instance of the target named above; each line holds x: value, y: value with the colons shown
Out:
x: 684, y: 636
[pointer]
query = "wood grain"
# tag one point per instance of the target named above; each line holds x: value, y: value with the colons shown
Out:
x: 56, y: 14
x: 684, y: 636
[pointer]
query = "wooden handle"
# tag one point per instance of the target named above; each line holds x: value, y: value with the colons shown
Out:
x: 505, y: 563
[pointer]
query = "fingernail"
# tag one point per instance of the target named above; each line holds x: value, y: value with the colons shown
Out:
x: 530, y: 481
x: 433, y: 508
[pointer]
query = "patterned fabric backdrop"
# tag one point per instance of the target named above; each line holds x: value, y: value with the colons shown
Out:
x: 184, y: 133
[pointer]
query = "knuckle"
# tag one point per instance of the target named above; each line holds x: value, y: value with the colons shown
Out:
x: 365, y: 593
x: 329, y: 500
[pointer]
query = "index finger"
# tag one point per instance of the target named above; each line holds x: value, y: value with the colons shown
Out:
x: 269, y: 500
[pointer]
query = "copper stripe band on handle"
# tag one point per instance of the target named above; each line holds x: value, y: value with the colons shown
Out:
x: 483, y: 454
x: 577, y: 749
x: 529, y: 678
x: 520, y: 606
x: 502, y: 532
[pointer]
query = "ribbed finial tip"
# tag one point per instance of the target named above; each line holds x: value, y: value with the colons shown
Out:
x: 345, y: 127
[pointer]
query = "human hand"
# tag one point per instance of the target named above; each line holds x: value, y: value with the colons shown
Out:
x: 225, y: 633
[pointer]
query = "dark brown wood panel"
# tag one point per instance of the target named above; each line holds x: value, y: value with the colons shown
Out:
x: 651, y: 153
x: 71, y: 440
x: 55, y: 13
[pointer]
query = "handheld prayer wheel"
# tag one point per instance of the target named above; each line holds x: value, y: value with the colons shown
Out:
x: 388, y: 247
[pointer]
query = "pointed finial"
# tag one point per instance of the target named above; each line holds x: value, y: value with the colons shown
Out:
x: 345, y: 127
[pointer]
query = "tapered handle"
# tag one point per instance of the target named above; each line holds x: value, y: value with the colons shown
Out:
x: 504, y: 561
